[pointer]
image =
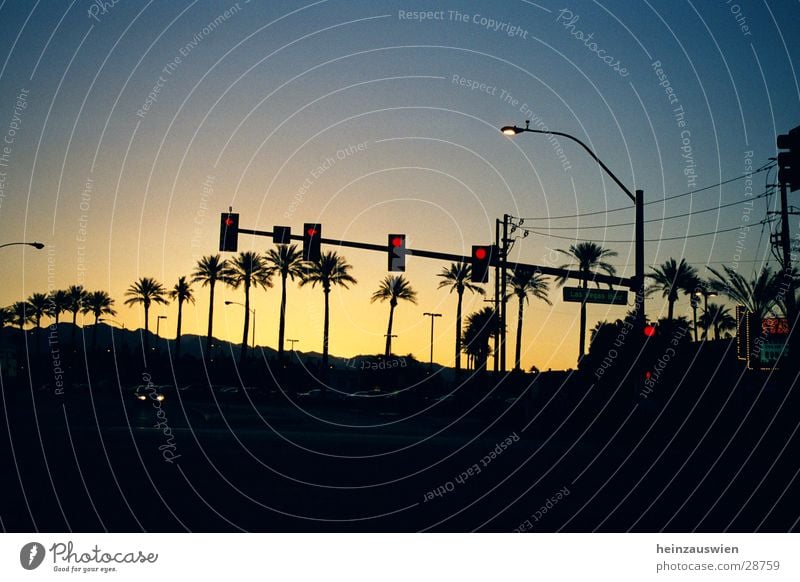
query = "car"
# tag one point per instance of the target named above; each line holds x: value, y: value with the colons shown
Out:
x: 144, y: 391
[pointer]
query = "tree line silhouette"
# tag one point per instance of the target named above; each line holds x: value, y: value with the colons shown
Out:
x: 250, y: 270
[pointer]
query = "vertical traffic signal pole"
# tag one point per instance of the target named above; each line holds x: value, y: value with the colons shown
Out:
x: 497, y: 295
x: 639, y: 259
x: 503, y: 291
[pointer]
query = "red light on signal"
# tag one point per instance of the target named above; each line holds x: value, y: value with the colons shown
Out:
x: 649, y: 330
x: 648, y: 375
x: 229, y: 221
x: 480, y: 254
x: 311, y: 232
x: 397, y: 241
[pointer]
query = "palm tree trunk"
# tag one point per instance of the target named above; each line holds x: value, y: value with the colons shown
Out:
x: 325, y: 328
x: 582, y: 341
x: 243, y: 351
x: 282, y: 320
x: 94, y: 332
x: 519, y: 335
x: 74, y: 326
x: 458, y: 330
x: 178, y: 335
x: 210, y: 317
x: 389, y: 331
x: 670, y: 308
x: 146, y: 329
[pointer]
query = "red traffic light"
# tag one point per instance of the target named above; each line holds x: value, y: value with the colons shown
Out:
x: 311, y: 231
x: 648, y: 375
x: 649, y: 330
x: 480, y: 253
x: 397, y: 241
x: 229, y: 221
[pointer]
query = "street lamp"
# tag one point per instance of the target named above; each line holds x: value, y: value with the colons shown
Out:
x: 253, y: 311
x: 36, y: 245
x: 292, y: 341
x: 638, y: 201
x: 433, y: 317
x: 695, y: 301
x: 705, y: 293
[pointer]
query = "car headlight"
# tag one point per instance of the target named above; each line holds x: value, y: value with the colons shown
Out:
x: 142, y: 397
x: 160, y: 397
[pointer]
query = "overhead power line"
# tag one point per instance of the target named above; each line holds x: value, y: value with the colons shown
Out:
x: 683, y: 215
x: 540, y: 233
x: 764, y: 168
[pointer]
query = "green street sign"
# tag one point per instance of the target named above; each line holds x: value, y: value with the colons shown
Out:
x: 607, y: 296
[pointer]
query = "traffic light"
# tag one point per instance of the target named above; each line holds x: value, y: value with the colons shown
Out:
x: 312, y: 234
x: 228, y: 231
x: 481, y: 261
x: 789, y: 162
x: 649, y: 330
x: 281, y: 235
x: 397, y: 252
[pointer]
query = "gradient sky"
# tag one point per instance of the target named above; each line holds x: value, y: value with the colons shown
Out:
x: 259, y: 101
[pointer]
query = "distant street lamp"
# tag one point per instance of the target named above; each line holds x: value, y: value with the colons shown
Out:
x: 433, y: 317
x: 292, y: 341
x: 158, y: 324
x: 253, y: 311
x: 36, y: 245
x: 638, y: 201
x: 705, y: 293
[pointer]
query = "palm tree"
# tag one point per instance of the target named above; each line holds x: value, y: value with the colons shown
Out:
x: 670, y: 278
x: 210, y: 270
x: 39, y: 306
x: 288, y: 262
x: 6, y: 316
x: 394, y: 288
x: 758, y: 295
x: 20, y: 314
x: 458, y: 276
x: 146, y: 291
x: 589, y: 257
x: 525, y: 283
x: 719, y: 317
x: 182, y: 291
x: 76, y: 295
x: 248, y: 269
x: 481, y: 326
x: 331, y: 269
x: 59, y: 303
x: 98, y: 303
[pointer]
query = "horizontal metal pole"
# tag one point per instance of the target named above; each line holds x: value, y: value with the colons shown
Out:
x: 553, y: 271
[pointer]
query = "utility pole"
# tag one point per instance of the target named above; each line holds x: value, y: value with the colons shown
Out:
x: 497, y: 294
x: 433, y: 317
x: 503, y: 291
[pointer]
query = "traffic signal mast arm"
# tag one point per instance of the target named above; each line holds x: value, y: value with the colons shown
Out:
x: 553, y: 271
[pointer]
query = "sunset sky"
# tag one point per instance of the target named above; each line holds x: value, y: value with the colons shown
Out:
x: 131, y: 127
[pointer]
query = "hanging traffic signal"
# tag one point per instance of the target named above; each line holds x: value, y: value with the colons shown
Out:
x: 228, y: 231
x: 481, y: 260
x: 397, y: 252
x: 312, y: 233
x: 789, y: 162
x: 649, y: 330
x: 281, y: 235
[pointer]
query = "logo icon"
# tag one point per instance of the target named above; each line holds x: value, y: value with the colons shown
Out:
x: 31, y: 555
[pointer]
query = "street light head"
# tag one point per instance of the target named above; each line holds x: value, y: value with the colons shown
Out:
x: 37, y: 245
x: 229, y: 303
x: 510, y: 130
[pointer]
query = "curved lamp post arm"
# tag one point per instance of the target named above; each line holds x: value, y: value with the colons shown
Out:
x: 513, y: 130
x: 36, y: 245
